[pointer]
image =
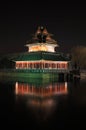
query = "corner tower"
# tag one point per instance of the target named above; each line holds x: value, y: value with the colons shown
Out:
x: 41, y: 55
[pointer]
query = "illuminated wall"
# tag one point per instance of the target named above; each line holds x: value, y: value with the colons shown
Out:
x: 47, y: 48
x: 41, y: 64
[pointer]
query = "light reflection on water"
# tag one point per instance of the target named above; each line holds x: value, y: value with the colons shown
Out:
x: 42, y: 104
x: 40, y: 98
x: 42, y: 91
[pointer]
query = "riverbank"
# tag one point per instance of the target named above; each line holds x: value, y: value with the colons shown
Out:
x: 28, y: 77
x: 35, y: 75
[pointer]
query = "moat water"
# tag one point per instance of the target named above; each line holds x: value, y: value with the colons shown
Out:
x: 43, y: 105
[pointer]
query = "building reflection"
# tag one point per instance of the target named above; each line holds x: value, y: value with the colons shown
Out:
x: 40, y: 98
x: 49, y: 90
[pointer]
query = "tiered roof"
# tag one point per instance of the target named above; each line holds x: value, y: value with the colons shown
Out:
x: 40, y: 55
x: 41, y: 36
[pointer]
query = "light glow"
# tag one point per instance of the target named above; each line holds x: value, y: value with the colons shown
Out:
x: 42, y: 47
x: 38, y: 48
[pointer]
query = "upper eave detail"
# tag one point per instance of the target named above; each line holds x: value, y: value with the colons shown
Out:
x: 42, y: 36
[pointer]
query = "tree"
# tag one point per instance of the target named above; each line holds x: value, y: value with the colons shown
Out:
x: 79, y: 56
x: 5, y: 63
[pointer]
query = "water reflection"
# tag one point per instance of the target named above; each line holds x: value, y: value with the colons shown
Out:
x: 41, y: 100
x: 42, y: 104
x: 49, y: 90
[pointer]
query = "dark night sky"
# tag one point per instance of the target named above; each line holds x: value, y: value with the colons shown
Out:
x: 18, y: 21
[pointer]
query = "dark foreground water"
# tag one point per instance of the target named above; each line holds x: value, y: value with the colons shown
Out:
x: 43, y: 105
